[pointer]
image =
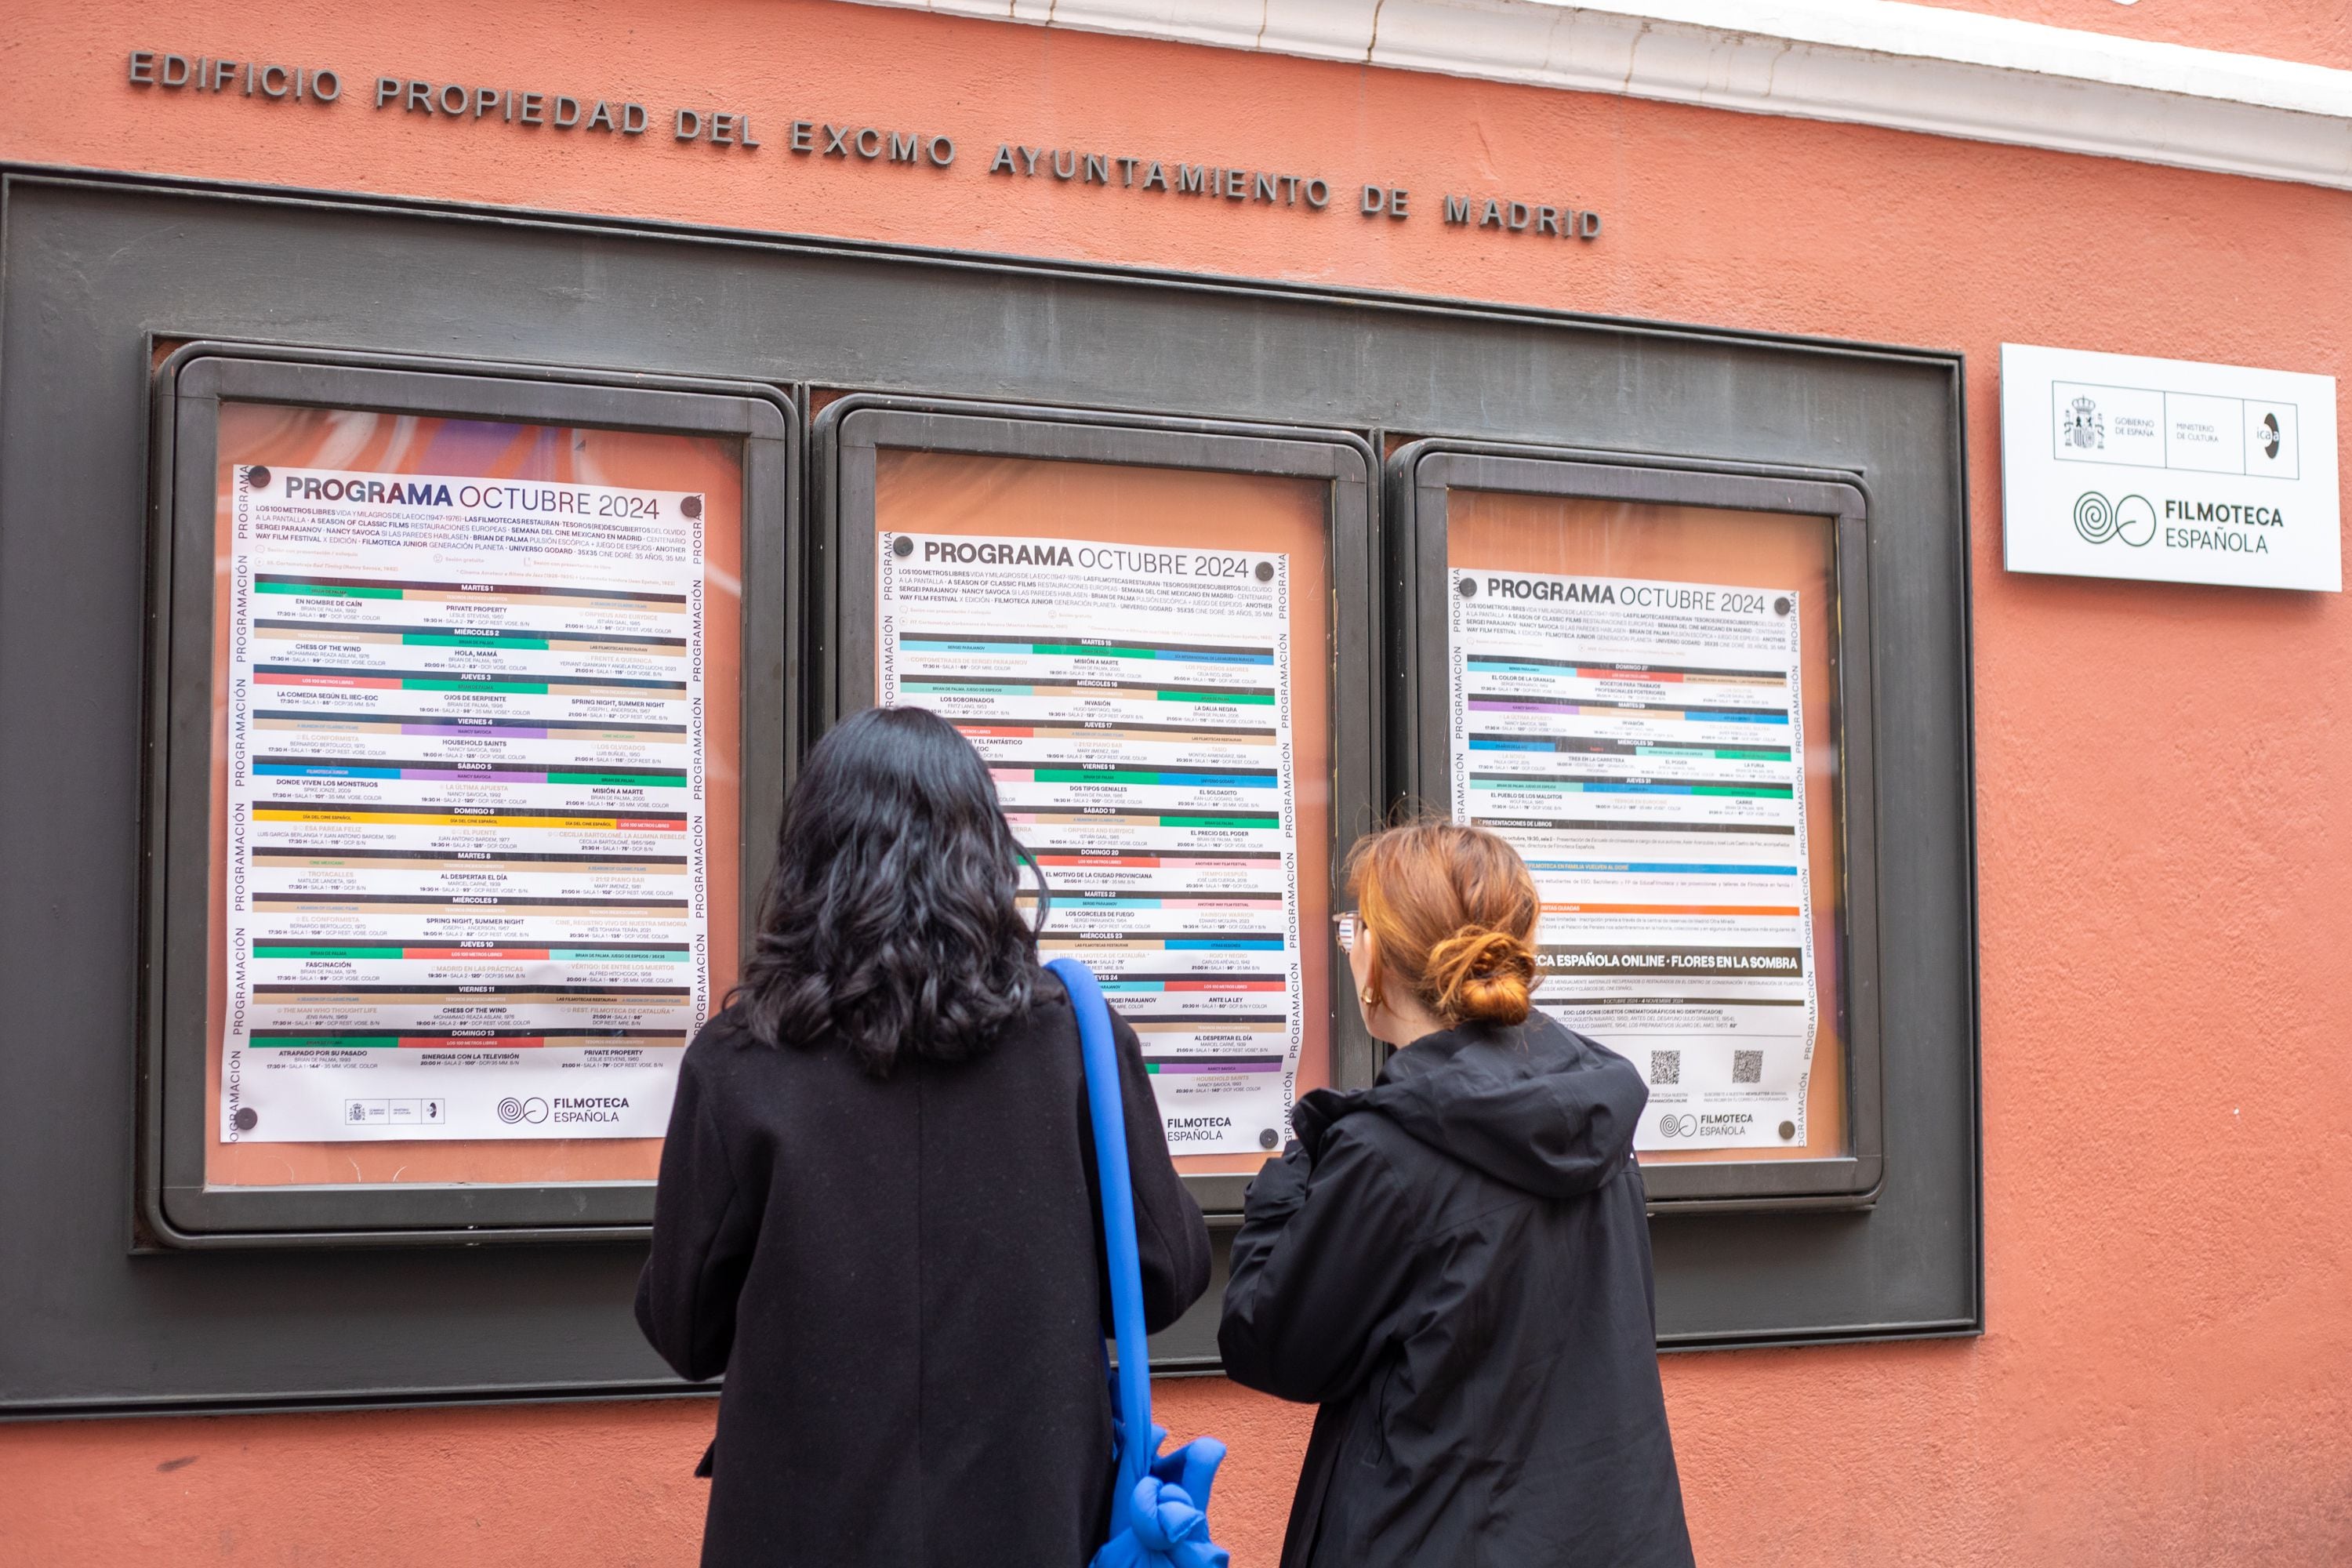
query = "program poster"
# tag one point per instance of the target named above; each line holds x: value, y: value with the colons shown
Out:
x: 1134, y: 706
x: 1643, y: 744
x: 467, y: 888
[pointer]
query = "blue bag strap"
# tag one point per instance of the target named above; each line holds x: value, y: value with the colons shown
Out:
x: 1120, y: 1256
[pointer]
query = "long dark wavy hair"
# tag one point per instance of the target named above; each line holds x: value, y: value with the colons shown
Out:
x: 891, y: 924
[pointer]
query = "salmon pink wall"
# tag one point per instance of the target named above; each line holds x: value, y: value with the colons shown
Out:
x: 2167, y: 1374
x: 2316, y: 32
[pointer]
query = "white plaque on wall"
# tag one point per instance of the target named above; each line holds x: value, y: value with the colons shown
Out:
x: 2167, y: 470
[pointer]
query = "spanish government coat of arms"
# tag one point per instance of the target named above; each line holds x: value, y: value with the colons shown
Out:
x: 2082, y: 427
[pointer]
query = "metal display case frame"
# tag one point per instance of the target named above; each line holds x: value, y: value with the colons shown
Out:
x: 178, y: 1208
x: 1421, y: 476
x: 850, y: 432
x: 103, y: 275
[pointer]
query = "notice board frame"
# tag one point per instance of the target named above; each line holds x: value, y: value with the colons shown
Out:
x: 177, y: 1208
x: 847, y: 437
x: 1420, y: 476
x: 101, y: 1330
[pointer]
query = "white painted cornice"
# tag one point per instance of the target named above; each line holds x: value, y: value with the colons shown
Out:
x: 1870, y: 62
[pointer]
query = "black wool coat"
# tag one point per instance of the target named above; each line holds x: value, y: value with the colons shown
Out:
x: 1455, y: 1265
x: 902, y: 1279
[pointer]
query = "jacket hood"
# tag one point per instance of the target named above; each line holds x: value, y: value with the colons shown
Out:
x: 1534, y: 1105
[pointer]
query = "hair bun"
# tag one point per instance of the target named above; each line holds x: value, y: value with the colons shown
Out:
x: 1479, y: 975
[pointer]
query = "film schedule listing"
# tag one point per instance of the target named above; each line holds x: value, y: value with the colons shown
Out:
x: 1133, y: 704
x: 1642, y: 744
x: 466, y: 891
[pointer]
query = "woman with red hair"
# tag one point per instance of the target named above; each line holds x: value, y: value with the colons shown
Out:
x: 1454, y: 1263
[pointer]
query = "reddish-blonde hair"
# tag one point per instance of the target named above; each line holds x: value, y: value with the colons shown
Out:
x: 1452, y: 914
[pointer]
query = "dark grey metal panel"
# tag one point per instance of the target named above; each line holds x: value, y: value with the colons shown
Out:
x: 90, y: 268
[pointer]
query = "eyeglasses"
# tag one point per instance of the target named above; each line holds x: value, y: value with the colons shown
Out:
x: 1343, y: 925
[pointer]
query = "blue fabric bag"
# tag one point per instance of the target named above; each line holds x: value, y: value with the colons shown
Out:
x: 1159, y: 1509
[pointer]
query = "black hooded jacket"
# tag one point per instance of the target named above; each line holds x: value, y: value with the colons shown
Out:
x: 1455, y: 1264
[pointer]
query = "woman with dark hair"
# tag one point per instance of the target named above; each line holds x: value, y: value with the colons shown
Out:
x: 1455, y: 1262
x: 876, y: 1213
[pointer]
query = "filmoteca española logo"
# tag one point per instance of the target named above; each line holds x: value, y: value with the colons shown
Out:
x: 2098, y: 520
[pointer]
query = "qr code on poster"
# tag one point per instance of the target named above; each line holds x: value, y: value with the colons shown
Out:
x: 1748, y: 1067
x: 1665, y: 1067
